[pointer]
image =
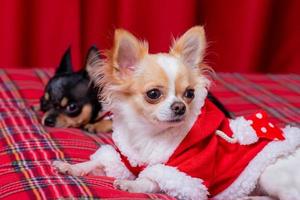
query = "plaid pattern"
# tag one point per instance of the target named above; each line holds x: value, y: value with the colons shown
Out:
x: 27, y: 148
x: 276, y: 94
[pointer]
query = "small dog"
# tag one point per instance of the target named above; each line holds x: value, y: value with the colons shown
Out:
x: 169, y: 138
x: 70, y: 99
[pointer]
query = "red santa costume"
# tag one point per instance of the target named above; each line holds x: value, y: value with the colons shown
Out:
x: 227, y: 156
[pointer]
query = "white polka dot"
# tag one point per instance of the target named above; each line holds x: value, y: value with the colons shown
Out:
x: 259, y: 115
x: 263, y: 129
x: 271, y: 125
x: 250, y: 121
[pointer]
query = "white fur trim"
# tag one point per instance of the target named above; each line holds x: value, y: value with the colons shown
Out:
x: 176, y: 183
x: 111, y: 160
x: 248, y: 179
x: 243, y: 131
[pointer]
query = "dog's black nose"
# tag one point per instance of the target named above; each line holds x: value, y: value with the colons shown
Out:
x: 50, y: 121
x: 178, y: 108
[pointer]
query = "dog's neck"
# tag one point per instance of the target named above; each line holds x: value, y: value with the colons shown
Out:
x: 143, y: 143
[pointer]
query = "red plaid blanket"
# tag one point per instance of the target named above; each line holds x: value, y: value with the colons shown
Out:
x: 27, y: 148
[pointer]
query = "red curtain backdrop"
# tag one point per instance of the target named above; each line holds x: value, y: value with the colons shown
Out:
x: 244, y: 36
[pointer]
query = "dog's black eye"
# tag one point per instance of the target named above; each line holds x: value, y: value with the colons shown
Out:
x: 72, y: 107
x: 189, y: 93
x: 152, y: 96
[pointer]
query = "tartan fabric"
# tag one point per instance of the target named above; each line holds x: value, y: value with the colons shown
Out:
x: 279, y: 95
x: 27, y: 148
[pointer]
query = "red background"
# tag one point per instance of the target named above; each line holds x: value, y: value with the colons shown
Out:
x: 244, y: 36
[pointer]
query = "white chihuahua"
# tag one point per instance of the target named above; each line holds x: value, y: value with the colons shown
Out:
x: 169, y: 138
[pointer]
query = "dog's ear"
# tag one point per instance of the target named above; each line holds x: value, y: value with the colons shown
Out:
x: 92, y: 57
x: 190, y: 47
x: 127, y: 52
x: 65, y: 65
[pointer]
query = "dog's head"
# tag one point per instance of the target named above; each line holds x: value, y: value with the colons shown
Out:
x: 163, y: 89
x: 69, y: 99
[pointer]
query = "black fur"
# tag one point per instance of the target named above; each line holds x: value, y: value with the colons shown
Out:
x: 74, y: 86
x: 65, y: 65
x: 215, y: 101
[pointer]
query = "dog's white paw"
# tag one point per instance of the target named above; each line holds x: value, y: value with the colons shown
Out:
x: 66, y: 168
x: 98, y: 172
x: 129, y: 186
x: 138, y: 186
x: 61, y: 166
x: 290, y: 194
x: 125, y: 185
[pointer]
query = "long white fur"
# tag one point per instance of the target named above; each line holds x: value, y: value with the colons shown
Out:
x: 283, y: 178
x: 145, y: 144
x: 137, y: 139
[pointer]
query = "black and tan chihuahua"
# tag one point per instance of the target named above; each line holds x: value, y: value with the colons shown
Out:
x: 71, y: 100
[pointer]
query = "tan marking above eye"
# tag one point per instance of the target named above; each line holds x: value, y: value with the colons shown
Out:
x: 46, y: 96
x: 64, y: 102
x: 82, y: 119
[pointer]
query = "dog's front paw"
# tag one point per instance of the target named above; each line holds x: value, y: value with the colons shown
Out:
x: 66, y: 168
x: 62, y: 167
x: 125, y: 185
x: 102, y: 126
x: 90, y: 128
x: 138, y: 186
